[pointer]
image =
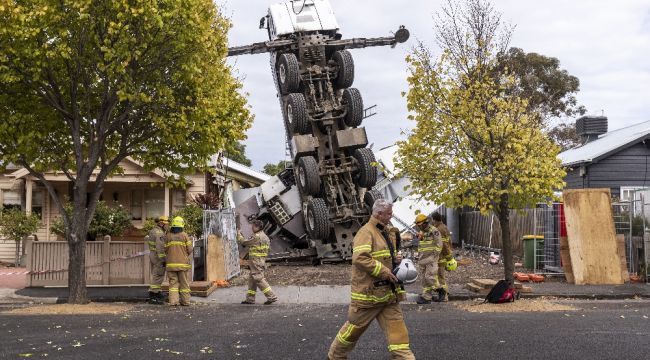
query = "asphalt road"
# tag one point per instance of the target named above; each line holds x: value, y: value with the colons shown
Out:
x: 611, y: 330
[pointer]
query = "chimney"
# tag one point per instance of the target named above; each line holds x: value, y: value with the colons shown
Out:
x: 590, y: 127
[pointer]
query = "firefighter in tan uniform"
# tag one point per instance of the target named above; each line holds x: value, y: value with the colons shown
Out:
x: 178, y: 248
x: 375, y: 293
x: 445, y: 255
x: 429, y: 252
x: 258, y: 249
x: 156, y: 241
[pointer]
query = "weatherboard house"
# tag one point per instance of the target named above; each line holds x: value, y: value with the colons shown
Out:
x: 618, y: 159
x: 143, y: 193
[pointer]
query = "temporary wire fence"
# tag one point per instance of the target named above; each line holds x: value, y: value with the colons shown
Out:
x: 222, y: 223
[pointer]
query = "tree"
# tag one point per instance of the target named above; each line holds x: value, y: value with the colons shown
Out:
x: 480, y: 142
x: 549, y: 90
x: 16, y: 225
x: 237, y: 152
x: 86, y: 84
x: 274, y: 169
x: 565, y: 136
x: 107, y: 220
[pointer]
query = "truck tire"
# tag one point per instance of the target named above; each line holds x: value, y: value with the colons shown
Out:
x: 288, y: 73
x: 366, y: 173
x: 296, y: 113
x: 352, y: 99
x: 370, y: 197
x: 345, y: 63
x: 308, y: 176
x: 317, y: 219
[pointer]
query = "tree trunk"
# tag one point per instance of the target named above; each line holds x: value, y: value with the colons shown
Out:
x: 17, y: 254
x: 504, y: 220
x: 78, y: 294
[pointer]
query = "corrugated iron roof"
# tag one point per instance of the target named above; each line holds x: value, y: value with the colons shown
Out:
x: 606, y: 144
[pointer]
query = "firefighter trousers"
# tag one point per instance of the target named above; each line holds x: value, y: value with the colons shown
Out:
x: 157, y: 276
x: 256, y: 281
x: 390, y: 320
x: 429, y: 273
x: 179, y: 286
x: 440, y: 276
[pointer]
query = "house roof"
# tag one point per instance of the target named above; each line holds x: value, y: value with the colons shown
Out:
x: 606, y: 144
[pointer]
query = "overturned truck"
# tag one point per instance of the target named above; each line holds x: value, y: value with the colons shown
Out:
x: 315, y: 207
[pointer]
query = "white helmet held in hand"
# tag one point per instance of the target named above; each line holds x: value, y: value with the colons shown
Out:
x: 406, y: 272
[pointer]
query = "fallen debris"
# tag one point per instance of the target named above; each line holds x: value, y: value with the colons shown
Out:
x: 524, y: 305
x: 72, y: 309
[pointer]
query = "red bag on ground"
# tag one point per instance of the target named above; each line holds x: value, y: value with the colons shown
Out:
x: 509, y: 295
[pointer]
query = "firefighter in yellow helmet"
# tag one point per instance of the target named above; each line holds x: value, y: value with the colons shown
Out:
x: 445, y: 256
x: 178, y: 249
x: 375, y: 289
x: 258, y: 249
x: 429, y: 251
x: 156, y: 241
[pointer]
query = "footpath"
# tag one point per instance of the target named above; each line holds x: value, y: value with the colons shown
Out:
x: 321, y: 294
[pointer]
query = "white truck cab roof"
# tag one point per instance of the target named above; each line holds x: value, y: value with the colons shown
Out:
x: 301, y: 15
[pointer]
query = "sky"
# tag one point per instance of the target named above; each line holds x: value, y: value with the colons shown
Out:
x: 605, y: 43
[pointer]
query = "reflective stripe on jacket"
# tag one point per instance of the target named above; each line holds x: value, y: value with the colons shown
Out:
x: 258, y: 244
x: 430, y: 245
x: 446, y: 253
x: 178, y: 248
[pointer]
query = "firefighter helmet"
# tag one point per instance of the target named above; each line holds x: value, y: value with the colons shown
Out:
x: 420, y: 218
x: 451, y: 265
x: 406, y: 272
x: 163, y: 219
x: 178, y: 222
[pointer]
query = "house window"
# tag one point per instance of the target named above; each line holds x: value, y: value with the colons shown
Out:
x: 154, y: 203
x: 179, y: 199
x: 627, y: 192
x: 37, y: 203
x: 11, y: 200
x: 136, y: 205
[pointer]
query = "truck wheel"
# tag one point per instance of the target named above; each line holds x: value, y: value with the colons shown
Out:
x: 308, y: 176
x: 367, y: 173
x: 296, y: 114
x: 352, y: 99
x: 370, y: 197
x: 288, y: 73
x: 318, y: 225
x: 344, y: 61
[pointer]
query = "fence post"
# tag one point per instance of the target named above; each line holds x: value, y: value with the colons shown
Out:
x: 29, y: 252
x: 106, y: 260
x: 146, y: 263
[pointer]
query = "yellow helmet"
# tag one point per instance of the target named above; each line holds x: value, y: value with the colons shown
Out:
x: 163, y: 219
x: 178, y: 222
x: 451, y: 265
x: 420, y: 218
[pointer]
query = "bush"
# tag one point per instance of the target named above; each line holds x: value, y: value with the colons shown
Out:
x: 16, y: 225
x: 113, y: 221
x: 193, y: 216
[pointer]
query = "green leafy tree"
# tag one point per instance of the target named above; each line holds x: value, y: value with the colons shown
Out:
x: 237, y: 151
x: 480, y: 142
x: 86, y: 84
x: 274, y: 169
x: 16, y: 225
x: 107, y: 220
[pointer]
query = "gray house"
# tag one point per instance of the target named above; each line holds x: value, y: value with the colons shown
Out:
x: 619, y: 159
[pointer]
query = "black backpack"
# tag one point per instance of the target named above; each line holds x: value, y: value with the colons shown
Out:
x: 494, y: 296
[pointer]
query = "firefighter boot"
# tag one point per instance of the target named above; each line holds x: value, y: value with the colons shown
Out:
x: 442, y: 295
x: 422, y: 301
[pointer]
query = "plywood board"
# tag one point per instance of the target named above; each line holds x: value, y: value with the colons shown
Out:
x: 215, y: 259
x: 592, y: 237
x: 620, y: 244
x: 565, y: 256
x: 484, y: 283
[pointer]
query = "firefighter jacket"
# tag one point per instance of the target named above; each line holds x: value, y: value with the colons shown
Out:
x: 430, y: 245
x: 178, y: 248
x: 156, y: 241
x: 446, y: 252
x: 371, y: 264
x: 258, y: 246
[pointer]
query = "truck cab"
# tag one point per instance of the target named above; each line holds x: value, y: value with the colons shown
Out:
x: 287, y: 18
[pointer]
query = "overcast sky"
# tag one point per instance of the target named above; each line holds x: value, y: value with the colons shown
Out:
x: 605, y: 43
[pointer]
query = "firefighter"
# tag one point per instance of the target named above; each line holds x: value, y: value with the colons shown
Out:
x: 258, y: 249
x: 429, y: 251
x: 375, y: 289
x: 178, y: 249
x: 445, y: 256
x: 156, y: 240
